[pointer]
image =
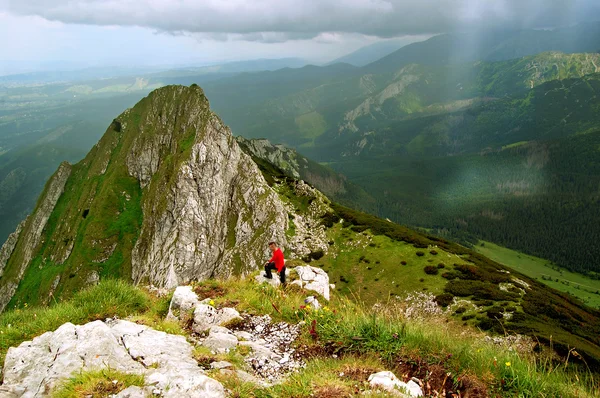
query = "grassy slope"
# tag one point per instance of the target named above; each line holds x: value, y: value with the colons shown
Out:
x: 364, y: 342
x: 580, y: 286
x: 361, y: 241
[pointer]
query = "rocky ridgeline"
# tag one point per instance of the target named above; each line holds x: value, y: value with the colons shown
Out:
x: 37, y: 367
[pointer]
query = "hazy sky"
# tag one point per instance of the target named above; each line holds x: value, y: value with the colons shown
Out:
x: 175, y: 32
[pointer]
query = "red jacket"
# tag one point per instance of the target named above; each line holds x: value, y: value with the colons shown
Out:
x: 277, y: 259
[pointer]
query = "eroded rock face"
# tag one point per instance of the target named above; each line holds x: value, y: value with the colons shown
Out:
x: 36, y: 367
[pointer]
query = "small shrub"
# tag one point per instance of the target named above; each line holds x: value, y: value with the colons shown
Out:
x: 444, y: 299
x: 372, y: 244
x: 431, y: 270
x: 441, y: 265
x: 317, y: 254
x: 422, y: 280
x: 450, y: 275
x: 420, y: 253
x: 403, y: 262
x: 433, y: 252
x: 494, y: 313
x: 329, y: 219
x: 460, y: 310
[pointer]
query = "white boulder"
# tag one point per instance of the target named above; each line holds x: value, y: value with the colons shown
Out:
x: 184, y: 299
x: 388, y: 381
x: 312, y: 278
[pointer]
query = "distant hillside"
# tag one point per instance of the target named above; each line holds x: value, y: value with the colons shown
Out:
x: 409, y: 126
x: 491, y: 46
x: 371, y: 53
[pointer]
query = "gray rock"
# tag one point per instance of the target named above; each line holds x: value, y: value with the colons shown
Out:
x: 315, y: 279
x: 242, y: 335
x: 9, y: 246
x: 220, y: 342
x: 206, y: 316
x: 244, y: 377
x: 221, y: 365
x: 134, y: 392
x: 313, y: 302
x: 35, y: 367
x: 184, y: 300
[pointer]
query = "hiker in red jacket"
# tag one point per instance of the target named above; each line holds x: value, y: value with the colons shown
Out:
x: 276, y: 262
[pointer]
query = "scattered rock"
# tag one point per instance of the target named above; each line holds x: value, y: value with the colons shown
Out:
x: 184, y: 299
x: 314, y: 279
x: 37, y: 366
x: 272, y: 353
x: 389, y: 382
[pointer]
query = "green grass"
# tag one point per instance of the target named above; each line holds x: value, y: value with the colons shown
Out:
x: 310, y: 125
x: 580, y: 286
x: 97, y: 384
x: 369, y: 267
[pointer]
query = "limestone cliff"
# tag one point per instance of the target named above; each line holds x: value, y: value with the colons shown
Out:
x: 165, y: 197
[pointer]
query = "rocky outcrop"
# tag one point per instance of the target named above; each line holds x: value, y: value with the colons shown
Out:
x: 36, y: 367
x: 31, y: 235
x: 309, y: 235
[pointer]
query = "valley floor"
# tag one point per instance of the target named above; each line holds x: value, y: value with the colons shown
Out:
x: 580, y: 286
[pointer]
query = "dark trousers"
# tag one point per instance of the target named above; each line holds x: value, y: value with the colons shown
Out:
x: 271, y: 266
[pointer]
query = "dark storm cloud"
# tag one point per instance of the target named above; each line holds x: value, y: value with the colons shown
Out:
x: 281, y: 20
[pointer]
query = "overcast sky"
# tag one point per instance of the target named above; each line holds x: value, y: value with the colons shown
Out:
x: 177, y: 32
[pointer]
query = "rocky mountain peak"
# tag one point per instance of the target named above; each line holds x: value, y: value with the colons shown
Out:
x: 166, y: 196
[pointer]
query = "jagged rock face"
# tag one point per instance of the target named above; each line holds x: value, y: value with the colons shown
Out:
x: 166, y: 196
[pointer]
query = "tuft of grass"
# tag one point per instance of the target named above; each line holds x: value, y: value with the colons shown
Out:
x: 97, y: 384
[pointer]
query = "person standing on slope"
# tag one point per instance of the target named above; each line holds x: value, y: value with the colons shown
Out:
x: 275, y: 263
